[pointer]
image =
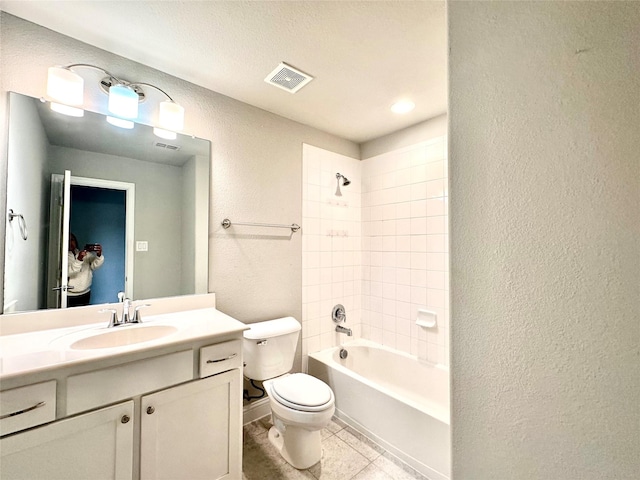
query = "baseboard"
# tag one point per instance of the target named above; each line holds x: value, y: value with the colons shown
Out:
x: 255, y: 410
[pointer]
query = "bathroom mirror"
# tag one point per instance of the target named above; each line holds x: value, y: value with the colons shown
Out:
x: 145, y: 199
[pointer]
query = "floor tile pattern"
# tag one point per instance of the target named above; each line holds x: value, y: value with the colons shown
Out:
x: 346, y: 455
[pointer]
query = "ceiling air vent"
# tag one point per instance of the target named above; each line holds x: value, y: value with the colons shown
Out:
x: 288, y: 78
x: 167, y: 146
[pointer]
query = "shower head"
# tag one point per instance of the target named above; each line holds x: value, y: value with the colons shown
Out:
x: 345, y: 182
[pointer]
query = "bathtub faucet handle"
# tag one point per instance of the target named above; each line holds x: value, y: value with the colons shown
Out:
x: 338, y: 314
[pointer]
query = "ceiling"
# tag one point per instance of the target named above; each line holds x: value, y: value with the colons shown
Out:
x: 363, y: 55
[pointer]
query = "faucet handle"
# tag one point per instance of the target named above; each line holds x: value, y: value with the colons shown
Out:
x: 126, y: 306
x: 137, y: 318
x: 113, y: 319
x: 338, y: 314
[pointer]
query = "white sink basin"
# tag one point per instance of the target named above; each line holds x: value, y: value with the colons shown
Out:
x: 121, y: 336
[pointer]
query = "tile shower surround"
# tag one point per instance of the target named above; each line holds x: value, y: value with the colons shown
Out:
x: 381, y: 249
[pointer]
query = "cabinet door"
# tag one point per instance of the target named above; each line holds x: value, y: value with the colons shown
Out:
x: 96, y: 445
x: 193, y: 431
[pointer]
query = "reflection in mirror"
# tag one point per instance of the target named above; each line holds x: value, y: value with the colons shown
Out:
x: 142, y: 199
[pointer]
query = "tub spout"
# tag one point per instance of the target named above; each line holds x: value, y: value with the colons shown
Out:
x: 341, y: 329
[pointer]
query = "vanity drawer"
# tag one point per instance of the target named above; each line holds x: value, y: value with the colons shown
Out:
x: 220, y: 357
x: 101, y: 387
x: 27, y: 407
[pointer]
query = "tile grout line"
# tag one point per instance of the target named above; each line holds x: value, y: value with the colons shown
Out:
x: 360, y: 471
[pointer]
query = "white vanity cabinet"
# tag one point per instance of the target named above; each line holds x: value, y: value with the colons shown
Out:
x: 96, y: 445
x: 193, y: 431
x: 172, y: 414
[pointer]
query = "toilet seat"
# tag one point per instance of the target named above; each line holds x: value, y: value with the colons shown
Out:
x: 302, y: 392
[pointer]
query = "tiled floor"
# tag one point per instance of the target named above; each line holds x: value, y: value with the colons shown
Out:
x: 346, y: 455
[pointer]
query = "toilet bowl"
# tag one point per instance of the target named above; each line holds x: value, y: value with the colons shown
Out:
x: 301, y: 406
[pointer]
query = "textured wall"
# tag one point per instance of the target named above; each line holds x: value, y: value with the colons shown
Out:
x: 406, y: 137
x: 256, y: 166
x: 545, y: 221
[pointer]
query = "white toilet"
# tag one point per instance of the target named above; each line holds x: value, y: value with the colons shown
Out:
x: 301, y: 405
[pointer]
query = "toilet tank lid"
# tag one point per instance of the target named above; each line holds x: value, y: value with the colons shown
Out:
x: 272, y: 328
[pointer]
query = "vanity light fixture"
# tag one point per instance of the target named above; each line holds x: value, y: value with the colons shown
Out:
x: 66, y: 90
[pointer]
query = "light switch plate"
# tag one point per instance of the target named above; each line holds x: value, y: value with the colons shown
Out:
x: 142, y: 246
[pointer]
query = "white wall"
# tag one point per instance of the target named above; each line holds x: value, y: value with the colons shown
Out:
x: 187, y: 226
x: 195, y: 224
x: 256, y: 166
x: 545, y: 228
x: 418, y: 133
x: 26, y: 260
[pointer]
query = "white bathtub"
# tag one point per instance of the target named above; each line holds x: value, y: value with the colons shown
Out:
x: 394, y: 399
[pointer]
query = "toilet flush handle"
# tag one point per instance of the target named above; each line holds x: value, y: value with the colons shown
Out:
x: 262, y: 342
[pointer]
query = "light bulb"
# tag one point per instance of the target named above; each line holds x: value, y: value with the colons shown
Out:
x: 65, y: 86
x: 119, y: 122
x: 171, y: 116
x: 123, y: 101
x: 166, y: 134
x: 67, y: 110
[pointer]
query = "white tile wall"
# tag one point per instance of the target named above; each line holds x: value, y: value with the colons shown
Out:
x: 381, y: 249
x: 331, y: 247
x: 405, y: 248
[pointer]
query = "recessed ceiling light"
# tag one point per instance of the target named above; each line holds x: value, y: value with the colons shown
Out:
x: 403, y: 106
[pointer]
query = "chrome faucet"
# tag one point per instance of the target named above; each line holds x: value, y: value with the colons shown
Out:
x: 341, y: 329
x: 339, y: 315
x: 126, y: 314
x: 126, y: 305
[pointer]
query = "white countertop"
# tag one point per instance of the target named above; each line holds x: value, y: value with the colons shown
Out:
x: 43, y: 350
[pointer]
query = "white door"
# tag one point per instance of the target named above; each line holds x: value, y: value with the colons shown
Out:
x: 58, y: 264
x: 59, y: 227
x: 64, y: 248
x: 193, y: 431
x: 96, y: 446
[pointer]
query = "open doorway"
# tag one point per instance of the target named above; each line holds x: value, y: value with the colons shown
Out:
x: 103, y: 210
x: 98, y: 215
x: 95, y: 211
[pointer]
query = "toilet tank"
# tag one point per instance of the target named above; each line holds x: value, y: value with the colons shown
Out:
x: 270, y: 347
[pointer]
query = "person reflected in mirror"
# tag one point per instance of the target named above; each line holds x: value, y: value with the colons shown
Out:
x: 82, y: 263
